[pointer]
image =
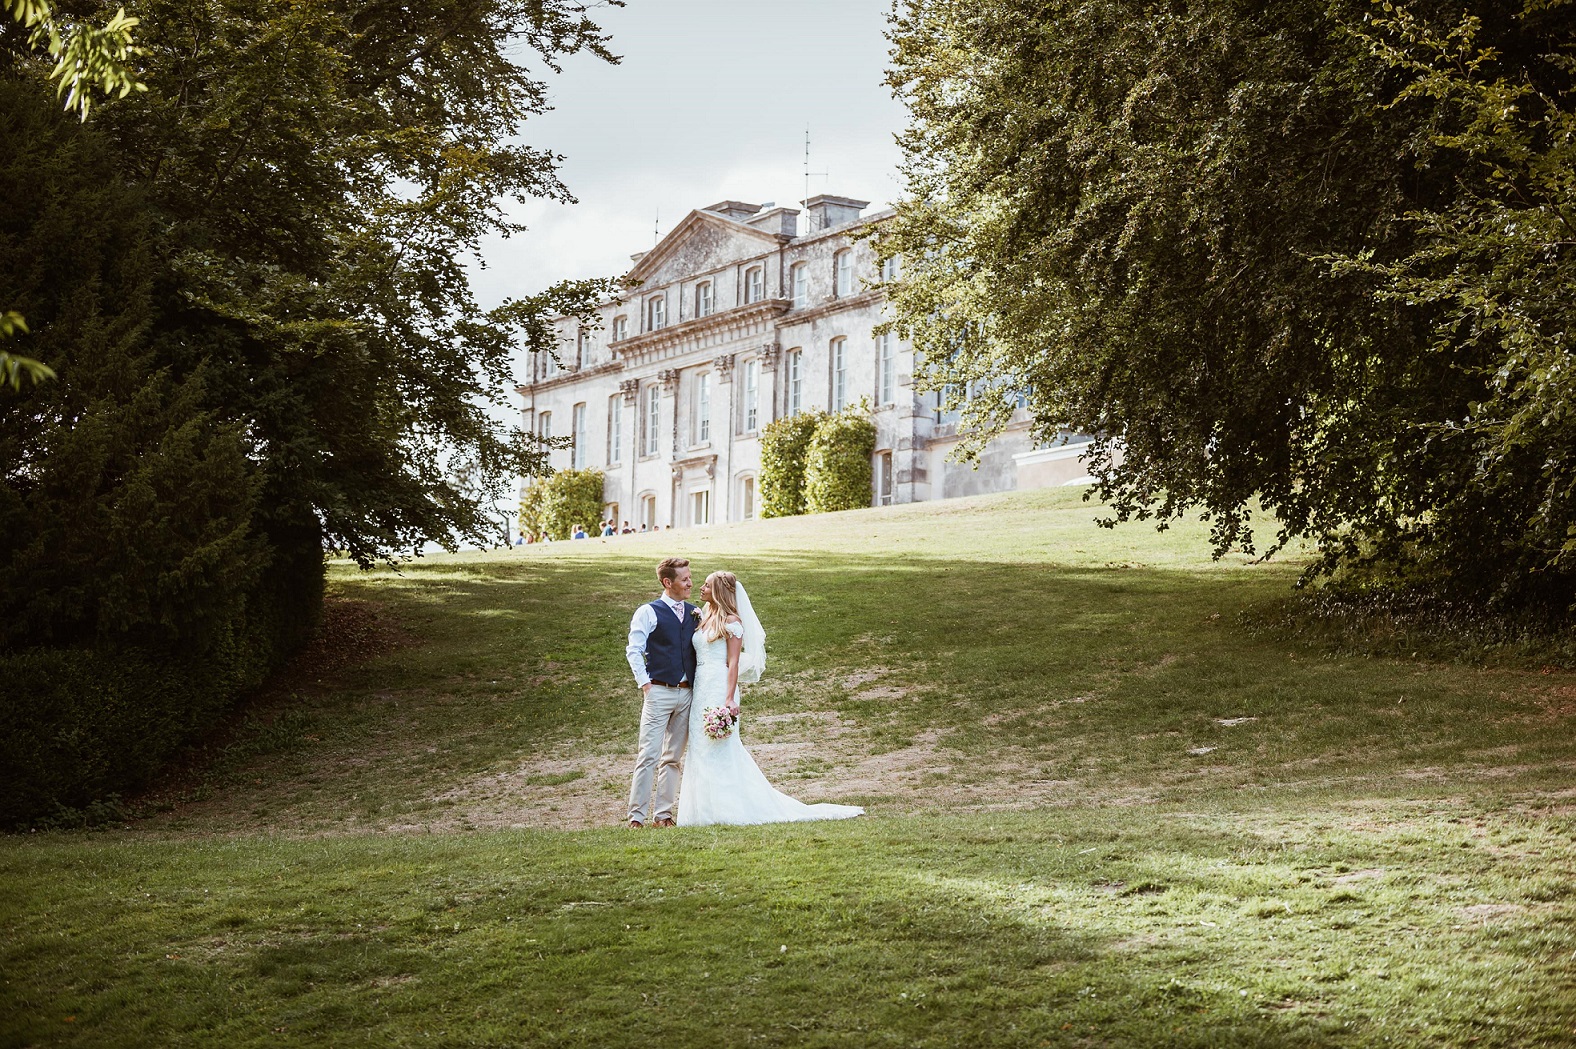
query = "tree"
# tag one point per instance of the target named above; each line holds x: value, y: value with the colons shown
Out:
x: 556, y: 503
x: 1151, y: 220
x: 252, y: 280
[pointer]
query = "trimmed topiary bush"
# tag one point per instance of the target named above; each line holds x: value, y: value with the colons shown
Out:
x: 785, y: 444
x: 561, y: 500
x: 837, y: 471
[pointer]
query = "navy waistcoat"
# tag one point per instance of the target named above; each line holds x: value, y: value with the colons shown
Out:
x: 670, y: 656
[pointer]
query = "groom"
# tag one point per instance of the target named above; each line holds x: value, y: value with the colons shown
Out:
x: 663, y: 660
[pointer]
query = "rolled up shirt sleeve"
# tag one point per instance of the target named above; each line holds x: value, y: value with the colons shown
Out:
x: 640, y: 627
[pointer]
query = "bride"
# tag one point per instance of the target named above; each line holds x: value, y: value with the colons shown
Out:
x: 722, y: 783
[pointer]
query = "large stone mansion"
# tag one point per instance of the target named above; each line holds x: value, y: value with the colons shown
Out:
x: 744, y: 314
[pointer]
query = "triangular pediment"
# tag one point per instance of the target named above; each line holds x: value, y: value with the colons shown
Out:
x: 703, y: 241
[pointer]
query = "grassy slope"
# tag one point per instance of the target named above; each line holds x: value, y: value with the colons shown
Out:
x: 1385, y: 854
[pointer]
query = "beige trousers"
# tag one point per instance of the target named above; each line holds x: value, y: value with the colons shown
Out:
x: 664, y: 729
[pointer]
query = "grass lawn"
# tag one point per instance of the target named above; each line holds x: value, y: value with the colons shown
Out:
x: 1105, y: 809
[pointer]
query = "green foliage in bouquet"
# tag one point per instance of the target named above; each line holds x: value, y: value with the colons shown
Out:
x: 558, y: 502
x: 837, y: 465
x: 785, y: 445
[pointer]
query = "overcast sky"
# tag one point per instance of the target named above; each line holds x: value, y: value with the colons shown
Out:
x: 710, y: 103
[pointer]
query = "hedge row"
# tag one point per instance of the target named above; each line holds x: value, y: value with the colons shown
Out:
x: 837, y: 471
x: 785, y: 447
x: 816, y: 462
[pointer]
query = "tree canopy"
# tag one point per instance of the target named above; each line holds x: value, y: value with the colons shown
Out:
x: 251, y: 281
x: 1306, y: 256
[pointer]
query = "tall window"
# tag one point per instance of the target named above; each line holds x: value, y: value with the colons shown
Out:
x: 702, y: 407
x: 656, y: 312
x: 883, y: 478
x: 890, y: 268
x: 752, y: 394
x: 886, y: 370
x: 700, y: 507
x: 620, y: 328
x: 544, y: 424
x: 839, y: 374
x: 800, y: 274
x: 754, y: 284
x: 843, y: 272
x: 795, y: 381
x: 747, y: 503
x: 583, y: 348
x: 703, y: 299
x: 549, y: 364
x: 653, y: 417
x: 615, y: 428
x: 578, y: 453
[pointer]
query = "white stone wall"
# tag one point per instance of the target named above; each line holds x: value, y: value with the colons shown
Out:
x: 720, y: 246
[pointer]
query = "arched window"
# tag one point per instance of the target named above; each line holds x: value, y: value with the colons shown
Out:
x: 843, y: 272
x: 656, y: 312
x: 839, y: 364
x: 615, y: 429
x: 800, y: 274
x: 795, y: 362
x: 747, y: 497
x: 620, y: 328
x: 702, y: 408
x: 652, y: 421
x: 754, y: 284
x: 577, y: 455
x: 752, y: 394
x: 886, y: 369
x: 703, y: 299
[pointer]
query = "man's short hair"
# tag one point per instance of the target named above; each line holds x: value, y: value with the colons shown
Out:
x: 668, y: 568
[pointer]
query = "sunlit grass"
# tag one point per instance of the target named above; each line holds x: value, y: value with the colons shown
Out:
x: 1136, y: 821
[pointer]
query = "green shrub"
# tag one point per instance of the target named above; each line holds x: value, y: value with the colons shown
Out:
x: 79, y: 725
x: 837, y: 465
x: 784, y: 447
x: 561, y: 500
x: 531, y: 520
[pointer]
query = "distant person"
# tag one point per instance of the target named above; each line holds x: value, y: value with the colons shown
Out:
x: 579, y: 533
x: 628, y: 529
x: 607, y: 529
x: 520, y: 541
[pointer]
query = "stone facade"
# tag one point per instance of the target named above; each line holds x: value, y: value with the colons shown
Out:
x: 739, y: 319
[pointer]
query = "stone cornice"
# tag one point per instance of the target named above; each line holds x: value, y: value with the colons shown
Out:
x: 738, y: 320
x: 568, y: 376
x: 847, y: 302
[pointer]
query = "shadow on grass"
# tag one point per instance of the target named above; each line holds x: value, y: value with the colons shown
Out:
x: 961, y: 931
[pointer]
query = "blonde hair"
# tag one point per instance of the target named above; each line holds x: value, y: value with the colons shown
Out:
x: 723, y: 603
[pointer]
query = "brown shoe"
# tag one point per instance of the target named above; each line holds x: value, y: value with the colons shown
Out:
x: 663, y: 822
x: 636, y: 825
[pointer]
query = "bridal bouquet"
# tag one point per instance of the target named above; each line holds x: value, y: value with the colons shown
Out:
x: 719, y: 722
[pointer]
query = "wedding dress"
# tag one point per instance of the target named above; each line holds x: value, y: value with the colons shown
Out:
x: 722, y: 783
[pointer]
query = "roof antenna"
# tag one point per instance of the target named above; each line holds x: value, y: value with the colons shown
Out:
x: 808, y: 215
x: 656, y: 227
